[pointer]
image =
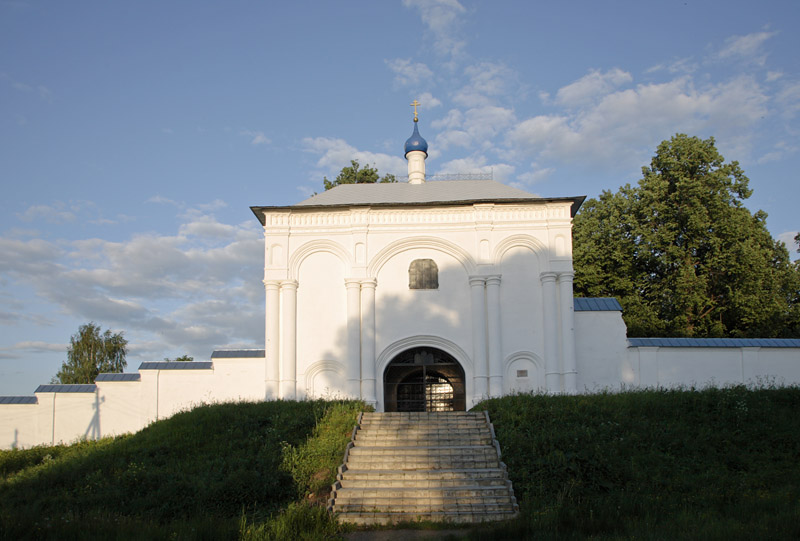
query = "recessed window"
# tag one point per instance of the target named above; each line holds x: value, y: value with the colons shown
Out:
x: 522, y: 373
x: 423, y: 274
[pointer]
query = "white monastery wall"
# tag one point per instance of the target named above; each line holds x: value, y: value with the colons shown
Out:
x: 601, y: 350
x: 717, y: 366
x: 121, y: 407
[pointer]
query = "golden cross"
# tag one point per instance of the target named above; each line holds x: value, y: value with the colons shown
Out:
x: 415, y: 103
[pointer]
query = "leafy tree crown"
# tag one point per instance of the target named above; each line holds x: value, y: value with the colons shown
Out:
x: 91, y: 352
x: 355, y: 174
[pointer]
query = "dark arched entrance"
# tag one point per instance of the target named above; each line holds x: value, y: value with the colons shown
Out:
x: 424, y: 379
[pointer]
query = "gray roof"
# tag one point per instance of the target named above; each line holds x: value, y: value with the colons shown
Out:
x: 61, y: 388
x: 18, y: 400
x: 118, y: 377
x: 715, y: 342
x: 435, y: 192
x: 238, y: 354
x: 176, y: 365
x: 598, y: 304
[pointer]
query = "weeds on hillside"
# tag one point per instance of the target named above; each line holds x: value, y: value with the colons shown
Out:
x: 190, y: 476
x: 677, y: 464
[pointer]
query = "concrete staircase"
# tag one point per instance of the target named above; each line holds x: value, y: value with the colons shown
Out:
x: 423, y: 466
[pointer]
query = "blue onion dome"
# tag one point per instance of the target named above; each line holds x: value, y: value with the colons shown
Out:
x: 416, y: 142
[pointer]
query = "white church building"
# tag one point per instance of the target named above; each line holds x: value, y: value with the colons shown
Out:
x: 426, y: 295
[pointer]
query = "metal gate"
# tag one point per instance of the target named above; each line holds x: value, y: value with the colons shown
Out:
x: 424, y: 379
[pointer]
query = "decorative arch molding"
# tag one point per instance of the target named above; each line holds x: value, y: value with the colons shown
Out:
x: 523, y: 241
x: 322, y: 366
x: 510, y: 378
x: 394, y: 349
x: 316, y: 246
x: 433, y: 243
x: 523, y: 355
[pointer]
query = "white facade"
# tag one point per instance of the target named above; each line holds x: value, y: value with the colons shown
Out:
x: 340, y: 309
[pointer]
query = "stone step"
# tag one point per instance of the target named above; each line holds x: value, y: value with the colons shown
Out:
x: 495, y: 482
x: 415, y: 508
x: 428, y: 429
x: 379, y: 476
x: 417, y: 416
x: 422, y: 442
x: 433, y: 464
x: 413, y: 452
x: 422, y: 466
x: 422, y: 431
x: 411, y: 494
x: 377, y: 518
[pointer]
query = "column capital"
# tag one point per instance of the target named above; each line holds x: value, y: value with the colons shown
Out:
x: 477, y: 280
x: 372, y: 283
x: 289, y: 284
x: 547, y: 276
x: 352, y: 283
x: 493, y: 280
x: 566, y: 276
x: 271, y: 284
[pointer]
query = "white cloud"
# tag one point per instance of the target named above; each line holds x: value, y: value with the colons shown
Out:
x: 427, y: 101
x: 57, y: 213
x: 442, y: 19
x: 748, y: 48
x: 787, y: 237
x: 408, y: 73
x: 591, y: 86
x: 337, y: 153
x: 501, y: 172
x: 773, y: 76
x: 623, y: 127
x: 256, y: 137
x: 536, y: 174
x: 192, y: 291
x: 682, y: 66
x: 487, y: 82
x: 789, y: 99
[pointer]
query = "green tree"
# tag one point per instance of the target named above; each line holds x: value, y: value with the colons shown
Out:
x: 91, y: 353
x: 683, y: 255
x: 355, y: 174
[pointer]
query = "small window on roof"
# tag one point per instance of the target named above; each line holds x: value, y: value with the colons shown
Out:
x: 423, y: 274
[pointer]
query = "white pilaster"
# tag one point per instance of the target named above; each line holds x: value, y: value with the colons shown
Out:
x: 288, y: 372
x: 272, y: 339
x: 478, y: 301
x: 368, y: 393
x: 568, y: 360
x: 550, y: 312
x: 353, y: 369
x: 494, y: 336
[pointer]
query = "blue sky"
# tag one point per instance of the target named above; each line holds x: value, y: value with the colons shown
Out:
x: 134, y: 136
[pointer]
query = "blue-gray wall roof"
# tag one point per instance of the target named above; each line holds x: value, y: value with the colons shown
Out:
x: 598, y: 304
x: 118, y: 377
x: 18, y: 400
x: 62, y: 388
x: 715, y: 342
x: 238, y: 354
x: 176, y: 365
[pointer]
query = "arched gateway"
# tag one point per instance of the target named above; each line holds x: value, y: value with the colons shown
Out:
x: 424, y: 379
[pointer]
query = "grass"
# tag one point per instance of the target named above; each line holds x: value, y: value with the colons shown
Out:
x: 197, y: 475
x: 656, y: 464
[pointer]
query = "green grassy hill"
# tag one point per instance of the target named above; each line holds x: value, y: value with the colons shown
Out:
x: 712, y: 464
